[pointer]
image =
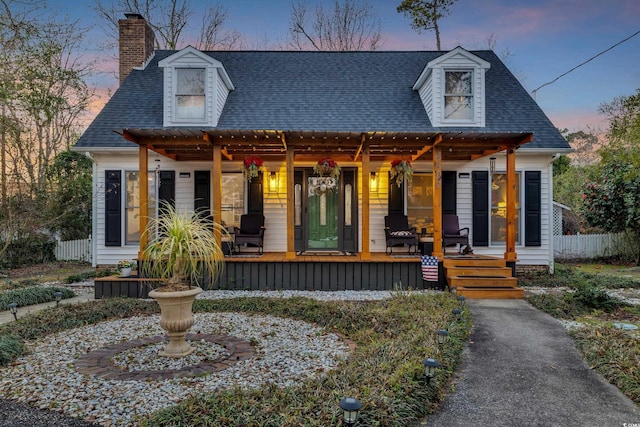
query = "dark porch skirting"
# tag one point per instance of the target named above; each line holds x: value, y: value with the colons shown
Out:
x: 322, y: 273
x: 272, y: 271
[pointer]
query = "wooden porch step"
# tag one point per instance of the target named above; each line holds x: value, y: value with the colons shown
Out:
x: 491, y: 293
x: 479, y: 271
x: 482, y: 282
x: 474, y: 262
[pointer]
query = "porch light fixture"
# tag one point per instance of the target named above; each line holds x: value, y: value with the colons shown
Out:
x: 430, y: 366
x: 273, y: 182
x: 350, y: 407
x: 58, y: 296
x: 373, y: 182
x: 443, y: 336
x: 461, y: 300
x: 457, y: 312
x: 492, y: 165
x: 13, y: 308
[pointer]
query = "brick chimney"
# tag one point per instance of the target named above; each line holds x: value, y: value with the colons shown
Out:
x: 136, y: 43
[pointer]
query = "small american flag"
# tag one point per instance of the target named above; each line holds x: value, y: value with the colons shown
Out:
x: 429, y: 268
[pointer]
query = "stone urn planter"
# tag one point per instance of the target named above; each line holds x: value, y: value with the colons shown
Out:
x: 176, y: 317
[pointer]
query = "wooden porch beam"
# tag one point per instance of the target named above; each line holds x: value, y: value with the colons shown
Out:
x: 129, y: 137
x: 284, y: 141
x: 143, y: 166
x: 510, y: 254
x: 362, y: 139
x: 426, y: 148
x: 366, y: 196
x: 291, y: 243
x: 206, y: 137
x: 438, y: 250
x: 216, y: 188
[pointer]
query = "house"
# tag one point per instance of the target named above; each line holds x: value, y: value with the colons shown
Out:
x: 182, y: 122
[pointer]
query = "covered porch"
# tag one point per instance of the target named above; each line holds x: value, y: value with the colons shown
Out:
x: 295, y: 148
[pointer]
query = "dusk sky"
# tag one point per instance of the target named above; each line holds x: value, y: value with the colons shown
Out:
x: 544, y: 38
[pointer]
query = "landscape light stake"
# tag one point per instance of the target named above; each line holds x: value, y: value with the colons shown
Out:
x: 13, y: 307
x: 350, y: 407
x: 443, y: 336
x: 458, y: 313
x: 461, y: 300
x: 58, y: 298
x: 430, y: 366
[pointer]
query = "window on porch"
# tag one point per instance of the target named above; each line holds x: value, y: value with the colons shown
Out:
x: 233, y: 185
x: 420, y: 202
x: 132, y: 205
x: 499, y: 209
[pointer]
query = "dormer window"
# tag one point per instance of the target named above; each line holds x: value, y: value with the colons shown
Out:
x: 458, y: 95
x: 196, y: 87
x: 452, y: 89
x: 190, y: 94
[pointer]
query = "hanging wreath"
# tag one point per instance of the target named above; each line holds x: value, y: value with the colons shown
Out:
x: 327, y: 167
x: 252, y: 166
x: 401, y: 170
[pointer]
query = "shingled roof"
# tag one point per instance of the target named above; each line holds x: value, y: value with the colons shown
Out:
x: 323, y: 91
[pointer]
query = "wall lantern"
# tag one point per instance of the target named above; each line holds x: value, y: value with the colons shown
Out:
x: 443, y: 336
x: 273, y: 182
x: 350, y: 407
x: 373, y: 182
x: 430, y: 366
x: 13, y: 308
x: 492, y: 165
x: 58, y: 296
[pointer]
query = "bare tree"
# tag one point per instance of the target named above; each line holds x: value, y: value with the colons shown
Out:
x: 349, y: 25
x: 171, y: 23
x: 425, y: 14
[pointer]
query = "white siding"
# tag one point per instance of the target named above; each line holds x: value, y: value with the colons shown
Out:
x: 275, y: 204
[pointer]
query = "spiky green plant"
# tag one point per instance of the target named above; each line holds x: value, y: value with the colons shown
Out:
x: 184, y: 248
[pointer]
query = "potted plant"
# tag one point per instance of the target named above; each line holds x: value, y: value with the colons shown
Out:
x: 124, y: 267
x: 252, y: 166
x: 401, y: 170
x: 182, y: 248
x: 327, y: 167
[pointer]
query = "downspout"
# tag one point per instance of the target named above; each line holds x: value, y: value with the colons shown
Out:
x: 94, y: 209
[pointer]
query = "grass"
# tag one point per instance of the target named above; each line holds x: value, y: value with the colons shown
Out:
x: 614, y: 353
x: 567, y: 275
x: 385, y: 373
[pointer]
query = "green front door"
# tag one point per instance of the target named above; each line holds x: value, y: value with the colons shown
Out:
x: 323, y: 208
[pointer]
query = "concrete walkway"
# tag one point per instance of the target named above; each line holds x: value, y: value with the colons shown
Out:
x: 521, y: 368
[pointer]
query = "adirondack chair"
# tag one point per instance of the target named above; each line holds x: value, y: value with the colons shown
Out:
x: 453, y: 235
x: 398, y: 233
x: 251, y: 232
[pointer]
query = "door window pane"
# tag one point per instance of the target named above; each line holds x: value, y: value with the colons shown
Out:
x: 232, y: 198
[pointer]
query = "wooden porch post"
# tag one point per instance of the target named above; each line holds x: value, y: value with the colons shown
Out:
x: 437, y: 202
x: 510, y: 254
x: 366, y: 169
x: 291, y: 244
x: 143, y: 166
x: 216, y: 187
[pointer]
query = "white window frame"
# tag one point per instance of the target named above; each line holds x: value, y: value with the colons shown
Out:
x: 471, y: 95
x: 174, y: 96
x: 126, y: 206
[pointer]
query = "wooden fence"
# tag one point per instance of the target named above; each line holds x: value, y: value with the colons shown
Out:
x: 587, y: 246
x: 74, y: 250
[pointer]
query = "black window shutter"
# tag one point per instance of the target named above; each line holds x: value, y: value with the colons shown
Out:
x: 255, y: 195
x: 449, y: 193
x: 167, y: 188
x: 202, y: 193
x: 533, y: 211
x: 396, y: 198
x: 480, y: 208
x: 113, y: 208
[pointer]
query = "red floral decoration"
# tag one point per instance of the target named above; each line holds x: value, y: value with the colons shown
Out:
x: 327, y: 167
x: 252, y: 166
